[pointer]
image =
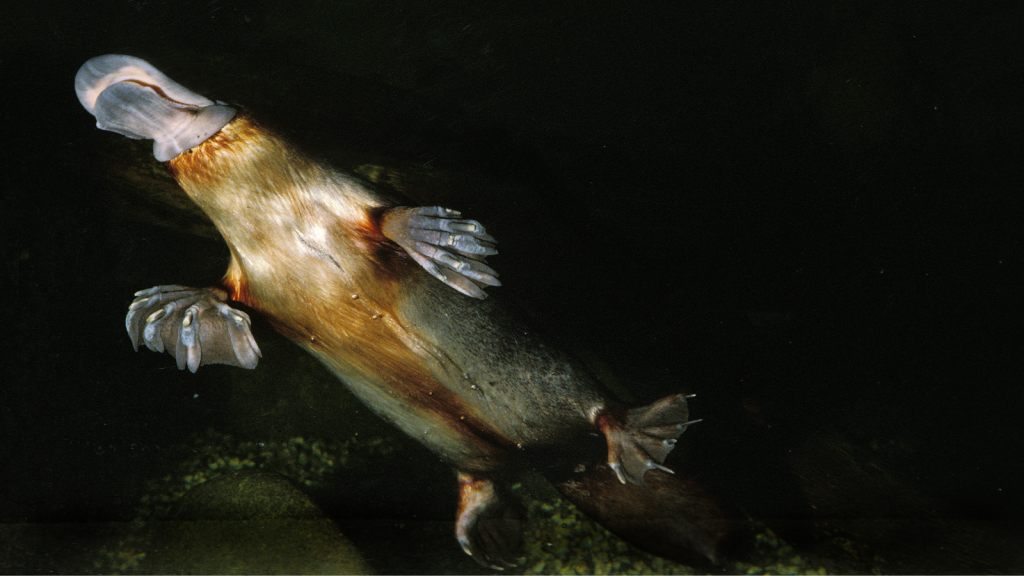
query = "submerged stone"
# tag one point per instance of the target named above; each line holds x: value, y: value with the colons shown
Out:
x: 250, y: 522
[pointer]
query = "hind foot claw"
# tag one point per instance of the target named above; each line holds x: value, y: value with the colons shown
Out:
x: 642, y: 439
x: 488, y: 528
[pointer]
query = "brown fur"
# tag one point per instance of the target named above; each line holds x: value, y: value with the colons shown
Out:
x: 307, y: 252
x: 467, y: 377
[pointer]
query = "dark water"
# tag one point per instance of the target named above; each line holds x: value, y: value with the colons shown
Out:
x: 807, y: 214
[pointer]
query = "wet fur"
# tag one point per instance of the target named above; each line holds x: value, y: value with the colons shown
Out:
x: 466, y: 377
x: 459, y: 374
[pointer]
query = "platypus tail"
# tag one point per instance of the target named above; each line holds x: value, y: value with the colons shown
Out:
x: 638, y: 498
x: 672, y: 516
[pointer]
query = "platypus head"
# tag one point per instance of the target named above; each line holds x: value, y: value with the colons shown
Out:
x: 129, y: 96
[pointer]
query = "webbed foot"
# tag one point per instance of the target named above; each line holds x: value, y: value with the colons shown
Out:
x: 488, y: 528
x: 644, y: 437
x: 452, y: 250
x: 195, y: 325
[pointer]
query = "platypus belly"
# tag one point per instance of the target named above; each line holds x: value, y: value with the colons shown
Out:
x: 501, y: 367
x: 467, y: 377
x: 392, y: 300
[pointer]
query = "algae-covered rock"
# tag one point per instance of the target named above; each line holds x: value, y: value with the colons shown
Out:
x: 241, y: 506
x: 249, y: 521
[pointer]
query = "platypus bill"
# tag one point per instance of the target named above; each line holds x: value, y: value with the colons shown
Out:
x: 391, y: 299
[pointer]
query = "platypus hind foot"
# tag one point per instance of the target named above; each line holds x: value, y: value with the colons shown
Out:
x: 195, y: 325
x: 489, y: 528
x: 641, y: 439
x: 451, y: 249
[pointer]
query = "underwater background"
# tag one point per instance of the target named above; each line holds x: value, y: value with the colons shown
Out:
x: 806, y: 213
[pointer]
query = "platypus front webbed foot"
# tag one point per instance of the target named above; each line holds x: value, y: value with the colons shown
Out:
x: 195, y: 325
x: 451, y: 249
x: 640, y: 439
x: 488, y: 527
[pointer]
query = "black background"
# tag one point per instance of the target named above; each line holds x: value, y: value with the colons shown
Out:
x: 807, y: 213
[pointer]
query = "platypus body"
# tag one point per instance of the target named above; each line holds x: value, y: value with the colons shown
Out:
x: 391, y: 300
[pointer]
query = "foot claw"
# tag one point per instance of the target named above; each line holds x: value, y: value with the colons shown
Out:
x: 196, y: 326
x: 451, y: 250
x: 488, y: 528
x: 644, y: 439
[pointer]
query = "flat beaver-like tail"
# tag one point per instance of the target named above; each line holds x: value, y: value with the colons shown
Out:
x: 672, y: 516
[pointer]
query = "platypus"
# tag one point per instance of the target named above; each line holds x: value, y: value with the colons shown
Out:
x: 392, y: 300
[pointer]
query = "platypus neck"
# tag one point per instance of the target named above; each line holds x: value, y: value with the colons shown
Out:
x: 245, y: 172
x: 265, y: 196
